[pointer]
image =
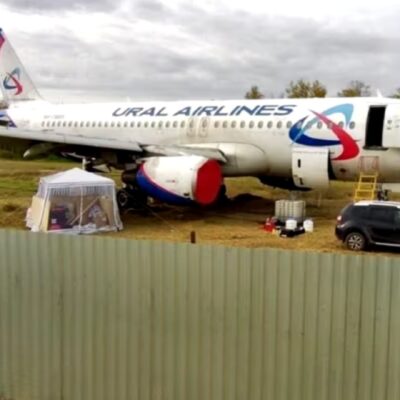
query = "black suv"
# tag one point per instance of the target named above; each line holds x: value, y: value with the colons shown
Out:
x: 366, y: 223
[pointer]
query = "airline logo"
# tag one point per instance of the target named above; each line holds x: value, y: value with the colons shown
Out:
x: 299, y: 133
x: 12, y: 82
x: 5, y: 117
x: 2, y: 39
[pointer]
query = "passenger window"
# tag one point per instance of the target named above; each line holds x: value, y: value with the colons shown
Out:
x: 139, y: 124
x: 251, y: 124
x: 191, y: 124
x: 243, y: 124
x: 125, y: 124
x: 146, y: 124
x: 319, y: 124
x: 81, y: 124
x: 233, y: 124
x: 204, y: 123
x: 64, y: 124
x: 183, y: 124
x: 260, y: 124
x: 279, y: 125
x: 341, y: 124
x: 99, y: 125
x: 308, y: 125
x: 70, y: 124
x: 167, y: 124
x: 269, y: 125
x: 94, y: 124
x: 153, y: 124
x: 289, y: 124
x: 76, y: 124
x: 118, y: 124
x: 175, y: 124
x: 352, y: 125
x: 132, y: 124
x: 216, y: 124
x: 105, y: 124
x: 160, y: 124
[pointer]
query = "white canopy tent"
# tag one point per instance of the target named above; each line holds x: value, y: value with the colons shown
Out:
x: 74, y: 201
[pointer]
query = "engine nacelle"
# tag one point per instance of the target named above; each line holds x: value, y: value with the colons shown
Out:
x: 181, y: 180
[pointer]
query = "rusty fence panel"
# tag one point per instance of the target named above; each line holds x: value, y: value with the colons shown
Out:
x: 92, y: 318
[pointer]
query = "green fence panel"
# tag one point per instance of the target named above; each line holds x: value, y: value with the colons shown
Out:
x: 93, y: 318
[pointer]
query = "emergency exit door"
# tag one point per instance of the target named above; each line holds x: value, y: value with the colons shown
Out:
x: 391, y: 128
x: 310, y: 167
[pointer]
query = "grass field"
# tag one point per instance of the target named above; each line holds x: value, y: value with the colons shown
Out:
x: 238, y: 223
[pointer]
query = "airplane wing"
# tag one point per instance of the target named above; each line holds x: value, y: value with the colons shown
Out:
x: 112, y: 143
x: 68, y: 139
x: 208, y: 152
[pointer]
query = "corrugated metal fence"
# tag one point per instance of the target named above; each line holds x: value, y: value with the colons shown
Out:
x: 90, y: 318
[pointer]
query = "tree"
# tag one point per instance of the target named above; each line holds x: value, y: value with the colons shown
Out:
x: 254, y: 93
x: 396, y: 95
x: 302, y: 88
x: 356, y: 89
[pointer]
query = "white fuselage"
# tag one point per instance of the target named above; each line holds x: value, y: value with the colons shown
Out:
x: 257, y: 136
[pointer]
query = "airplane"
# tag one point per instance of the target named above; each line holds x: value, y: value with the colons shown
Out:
x: 180, y: 151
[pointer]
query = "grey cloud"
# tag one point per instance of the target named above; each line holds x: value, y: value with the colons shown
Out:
x: 51, y: 5
x: 150, y: 10
x: 215, y: 56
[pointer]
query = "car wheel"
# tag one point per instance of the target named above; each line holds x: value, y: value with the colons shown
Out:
x: 356, y: 241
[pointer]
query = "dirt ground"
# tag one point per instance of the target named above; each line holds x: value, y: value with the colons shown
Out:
x: 239, y: 222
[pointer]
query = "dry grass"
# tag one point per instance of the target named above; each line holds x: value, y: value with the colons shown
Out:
x: 238, y: 223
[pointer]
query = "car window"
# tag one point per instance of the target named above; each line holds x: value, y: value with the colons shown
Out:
x: 397, y: 217
x: 382, y: 214
x: 358, y: 212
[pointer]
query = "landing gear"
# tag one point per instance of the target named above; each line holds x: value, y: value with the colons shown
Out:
x: 222, y: 197
x: 131, y: 198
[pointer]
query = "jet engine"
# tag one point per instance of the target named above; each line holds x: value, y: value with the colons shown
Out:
x: 181, y: 180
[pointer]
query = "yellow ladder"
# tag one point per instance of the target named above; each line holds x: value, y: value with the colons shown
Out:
x: 366, y: 186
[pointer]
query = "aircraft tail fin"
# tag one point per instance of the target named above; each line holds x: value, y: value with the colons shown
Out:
x: 15, y: 82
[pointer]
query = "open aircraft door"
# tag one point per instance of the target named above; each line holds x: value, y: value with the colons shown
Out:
x: 391, y: 127
x: 310, y: 167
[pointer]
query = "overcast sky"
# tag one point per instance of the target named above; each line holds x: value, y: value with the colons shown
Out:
x: 159, y: 49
